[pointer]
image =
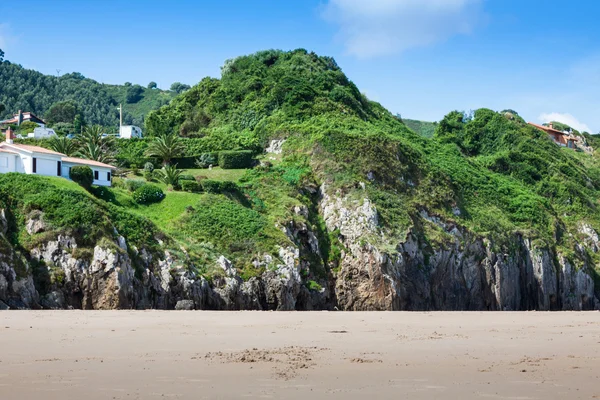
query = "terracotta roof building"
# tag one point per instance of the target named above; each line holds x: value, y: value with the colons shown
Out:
x: 561, y: 138
x: 21, y: 117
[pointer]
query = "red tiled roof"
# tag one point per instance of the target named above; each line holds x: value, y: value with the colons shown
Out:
x: 76, y: 160
x: 29, y: 115
x: 547, y: 129
x: 36, y: 149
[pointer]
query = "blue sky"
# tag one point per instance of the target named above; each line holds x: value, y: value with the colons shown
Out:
x: 419, y: 58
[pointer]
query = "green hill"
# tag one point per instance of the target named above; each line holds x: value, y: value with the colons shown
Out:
x: 29, y: 90
x: 357, y: 204
x: 493, y: 174
x: 423, y: 128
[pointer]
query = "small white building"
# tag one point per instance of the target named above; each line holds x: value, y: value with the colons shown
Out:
x: 28, y: 159
x: 42, y: 133
x: 130, y: 131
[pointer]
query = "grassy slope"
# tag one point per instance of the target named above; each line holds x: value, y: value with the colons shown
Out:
x: 423, y: 128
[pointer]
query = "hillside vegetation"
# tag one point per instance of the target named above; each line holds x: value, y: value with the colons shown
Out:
x: 29, y: 90
x: 423, y: 128
x: 491, y: 174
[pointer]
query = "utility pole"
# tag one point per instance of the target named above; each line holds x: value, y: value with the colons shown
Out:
x: 120, y: 119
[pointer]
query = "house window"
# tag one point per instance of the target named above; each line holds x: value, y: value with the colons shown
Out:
x: 34, y: 165
x: 96, y: 175
x: 58, y: 168
x: 108, y: 176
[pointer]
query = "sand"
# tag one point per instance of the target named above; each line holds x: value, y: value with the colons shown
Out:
x: 270, y: 355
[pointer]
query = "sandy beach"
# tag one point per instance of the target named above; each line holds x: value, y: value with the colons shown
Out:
x: 270, y: 355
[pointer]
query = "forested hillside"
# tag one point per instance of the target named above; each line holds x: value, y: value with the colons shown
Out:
x: 29, y: 90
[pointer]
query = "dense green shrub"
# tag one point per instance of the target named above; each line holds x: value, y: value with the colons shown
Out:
x: 235, y: 159
x: 207, y: 159
x: 83, y: 175
x: 213, y: 186
x: 190, y: 186
x: 148, y: 194
x: 134, y: 184
x: 169, y: 175
x: 186, y: 177
x: 148, y: 167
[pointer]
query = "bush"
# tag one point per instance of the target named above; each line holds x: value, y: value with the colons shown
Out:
x: 191, y: 186
x: 148, y: 167
x: 149, y: 176
x: 235, y: 159
x: 148, y: 194
x: 83, y: 175
x: 207, y: 159
x: 134, y: 184
x: 186, y: 177
x: 212, y: 186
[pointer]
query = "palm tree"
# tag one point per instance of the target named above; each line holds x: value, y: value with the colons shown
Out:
x: 169, y: 175
x: 166, y: 148
x: 94, y: 146
x: 62, y: 145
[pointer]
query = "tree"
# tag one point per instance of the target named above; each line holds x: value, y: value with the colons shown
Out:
x: 93, y: 145
x: 166, y: 148
x: 64, y: 111
x: 179, y: 87
x: 2, y: 107
x: 152, y: 85
x: 62, y: 145
x: 134, y: 94
x: 1, y: 55
x: 78, y: 123
x: 63, y: 128
x: 83, y: 175
x: 169, y: 175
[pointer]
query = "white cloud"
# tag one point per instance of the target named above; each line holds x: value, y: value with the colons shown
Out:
x: 565, y: 119
x: 380, y: 27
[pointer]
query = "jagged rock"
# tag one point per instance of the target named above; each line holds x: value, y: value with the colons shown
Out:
x: 185, y: 305
x: 54, y: 300
x: 4, y: 306
x: 275, y: 146
x: 374, y: 272
x: 35, y: 224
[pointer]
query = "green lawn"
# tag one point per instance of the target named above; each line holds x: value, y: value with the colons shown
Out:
x: 219, y: 174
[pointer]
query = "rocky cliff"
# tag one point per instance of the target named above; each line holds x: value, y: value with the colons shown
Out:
x: 373, y: 272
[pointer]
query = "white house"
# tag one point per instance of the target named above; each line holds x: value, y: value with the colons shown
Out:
x: 42, y: 133
x: 38, y: 160
x: 130, y: 131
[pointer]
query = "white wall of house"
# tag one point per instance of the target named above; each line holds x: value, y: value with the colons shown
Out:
x: 46, y: 166
x: 102, y: 176
x: 42, y: 133
x: 8, y: 163
x: 130, y: 131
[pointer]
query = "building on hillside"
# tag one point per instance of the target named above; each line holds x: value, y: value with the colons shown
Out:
x: 565, y: 139
x: 40, y: 161
x: 42, y: 133
x: 21, y: 117
x: 130, y: 131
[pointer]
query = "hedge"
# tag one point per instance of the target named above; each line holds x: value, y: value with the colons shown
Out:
x: 148, y: 194
x: 82, y: 175
x: 191, y: 186
x: 235, y: 159
x: 212, y: 186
